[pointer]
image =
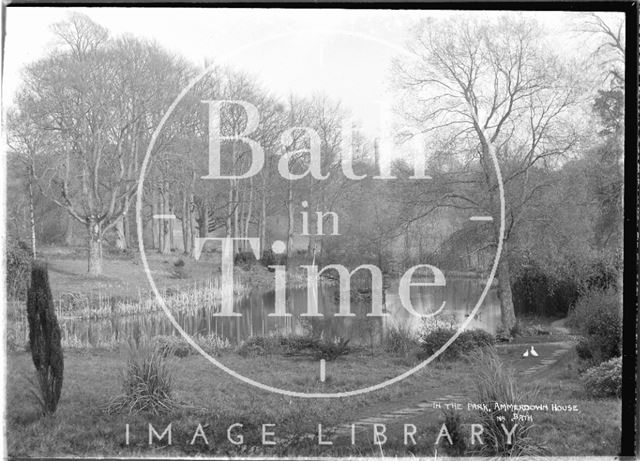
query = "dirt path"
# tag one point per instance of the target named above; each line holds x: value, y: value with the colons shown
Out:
x: 428, y: 406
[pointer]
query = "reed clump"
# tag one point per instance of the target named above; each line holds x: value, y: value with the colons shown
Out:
x: 147, y: 382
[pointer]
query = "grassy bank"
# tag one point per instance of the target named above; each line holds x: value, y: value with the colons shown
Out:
x: 123, y: 288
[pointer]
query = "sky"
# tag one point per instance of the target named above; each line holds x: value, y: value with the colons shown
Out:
x: 344, y: 53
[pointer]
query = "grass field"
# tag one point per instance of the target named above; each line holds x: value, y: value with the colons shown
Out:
x: 124, y: 275
x: 210, y: 397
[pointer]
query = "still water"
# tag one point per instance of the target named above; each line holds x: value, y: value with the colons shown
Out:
x: 460, y: 296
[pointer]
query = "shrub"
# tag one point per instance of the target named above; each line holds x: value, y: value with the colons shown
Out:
x: 259, y: 345
x: 171, y: 345
x: 16, y: 341
x: 179, y: 270
x: 17, y: 271
x: 317, y: 348
x: 539, y: 293
x: 44, y: 339
x: 331, y: 350
x: 502, y: 335
x: 147, y: 381
x: 214, y: 344
x: 468, y: 341
x: 179, y: 263
x: 400, y: 340
x: 444, y: 320
x: 244, y: 259
x: 269, y: 258
x: 495, y: 384
x: 597, y: 316
x: 604, y: 380
x: 583, y: 349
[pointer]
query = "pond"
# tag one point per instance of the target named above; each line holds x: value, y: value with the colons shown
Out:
x: 460, y: 296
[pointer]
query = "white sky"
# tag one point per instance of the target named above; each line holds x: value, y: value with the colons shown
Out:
x: 316, y: 57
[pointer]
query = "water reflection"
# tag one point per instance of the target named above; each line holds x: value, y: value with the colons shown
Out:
x: 460, y: 295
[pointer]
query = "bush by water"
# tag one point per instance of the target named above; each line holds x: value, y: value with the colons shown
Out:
x: 467, y: 342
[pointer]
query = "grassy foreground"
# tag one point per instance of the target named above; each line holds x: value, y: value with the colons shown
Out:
x: 216, y: 401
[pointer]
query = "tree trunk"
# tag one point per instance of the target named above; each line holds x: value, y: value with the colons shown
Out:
x: 204, y: 219
x: 166, y: 223
x: 68, y: 233
x: 186, y: 224
x: 192, y: 224
x: 126, y: 224
x: 504, y: 294
x: 32, y: 215
x: 263, y: 216
x: 240, y: 216
x: 230, y: 209
x: 233, y: 198
x: 160, y: 222
x: 155, y: 224
x: 249, y: 211
x: 407, y: 249
x: 121, y: 241
x: 237, y: 229
x: 290, y: 223
x: 95, y: 248
x: 172, y: 223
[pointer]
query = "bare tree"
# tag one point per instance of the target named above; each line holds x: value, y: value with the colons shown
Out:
x: 27, y: 145
x: 609, y: 54
x: 488, y: 89
x: 96, y: 100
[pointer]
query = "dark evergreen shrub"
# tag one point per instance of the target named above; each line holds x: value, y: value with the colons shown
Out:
x: 44, y: 338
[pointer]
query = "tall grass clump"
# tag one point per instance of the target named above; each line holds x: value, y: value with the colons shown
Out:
x: 147, y: 381
x: 453, y: 423
x: 400, y: 339
x: 496, y: 388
